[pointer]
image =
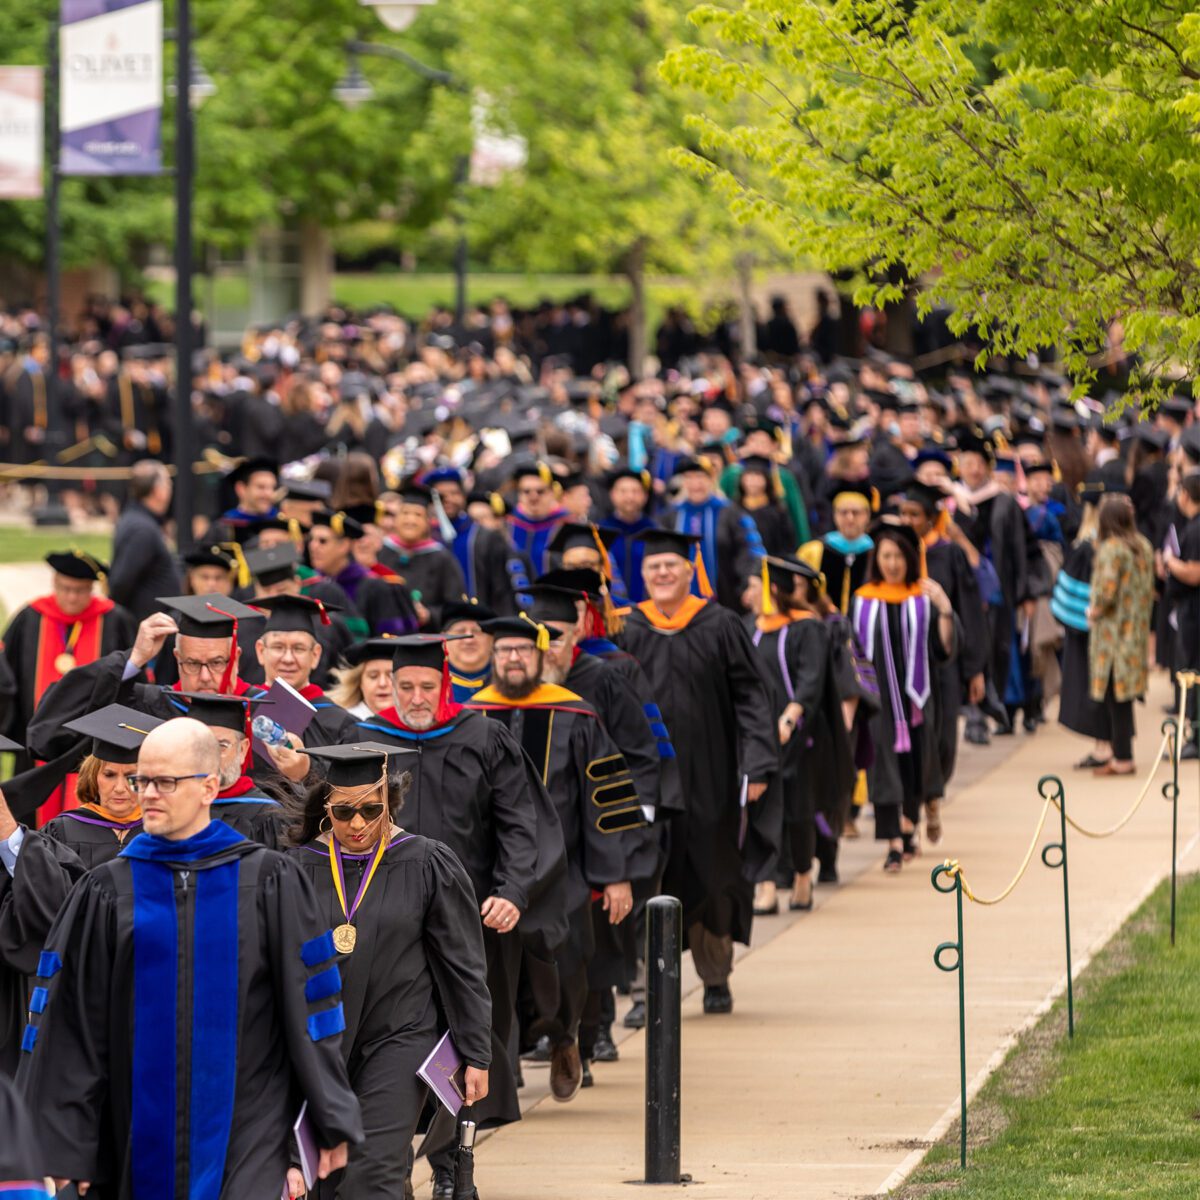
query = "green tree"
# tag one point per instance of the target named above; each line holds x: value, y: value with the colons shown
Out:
x: 1033, y: 165
x: 273, y: 147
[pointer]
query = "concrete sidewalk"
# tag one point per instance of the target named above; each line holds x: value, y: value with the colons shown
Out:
x: 840, y: 1061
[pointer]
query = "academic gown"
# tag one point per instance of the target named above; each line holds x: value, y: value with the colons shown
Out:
x: 22, y: 1160
x: 417, y: 969
x: 816, y: 765
x: 488, y: 564
x: 430, y: 572
x: 251, y: 812
x: 947, y: 564
x: 628, y: 554
x: 532, y: 538
x: 1077, y: 711
x: 844, y: 565
x: 95, y: 839
x: 215, y: 943
x: 473, y: 789
x: 714, y: 701
x: 30, y: 899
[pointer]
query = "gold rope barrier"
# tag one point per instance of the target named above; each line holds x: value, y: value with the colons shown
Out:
x: 15, y: 472
x: 1103, y: 833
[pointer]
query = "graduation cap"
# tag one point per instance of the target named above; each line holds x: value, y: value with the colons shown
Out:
x: 117, y: 731
x: 367, y: 514
x: 572, y: 535
x: 208, y: 616
x: 1150, y: 435
x: 252, y: 466
x: 537, y: 469
x: 274, y: 565
x: 855, y: 491
x: 904, y: 534
x: 342, y: 525
x: 1039, y: 468
x: 356, y: 764
x: 521, y: 626
x: 412, y: 492
x: 642, y: 477
x: 668, y: 541
x: 289, y: 525
x: 454, y: 611
x: 75, y: 564
x: 422, y: 650
x: 295, y: 614
x: 444, y: 475
x: 319, y: 490
x: 210, y: 556
x: 372, y: 650
x: 493, y: 500
x: 222, y: 712
x: 551, y: 603
x: 581, y: 582
x: 975, y: 441
x: 1064, y: 420
x: 1093, y: 489
x: 782, y: 570
x: 929, y: 498
x: 1177, y: 408
x: 686, y: 466
x: 1189, y: 441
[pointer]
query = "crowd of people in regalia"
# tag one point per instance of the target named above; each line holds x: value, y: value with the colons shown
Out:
x: 477, y: 644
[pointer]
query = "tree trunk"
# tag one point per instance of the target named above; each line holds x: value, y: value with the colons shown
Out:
x: 747, y: 321
x: 635, y: 272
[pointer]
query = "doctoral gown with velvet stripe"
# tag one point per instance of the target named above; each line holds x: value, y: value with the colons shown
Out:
x: 416, y: 970
x: 80, y: 1052
x: 714, y: 701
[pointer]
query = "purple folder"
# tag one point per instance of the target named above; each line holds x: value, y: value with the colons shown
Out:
x: 445, y: 1072
x: 309, y: 1152
x: 289, y: 709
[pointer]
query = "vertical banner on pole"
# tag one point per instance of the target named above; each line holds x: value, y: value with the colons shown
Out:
x: 21, y: 133
x: 112, y: 84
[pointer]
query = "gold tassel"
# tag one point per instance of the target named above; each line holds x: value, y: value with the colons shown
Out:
x: 605, y: 561
x: 543, y: 634
x: 497, y: 503
x: 295, y: 531
x: 338, y: 524
x: 702, y: 580
x: 768, y: 604
x: 239, y: 558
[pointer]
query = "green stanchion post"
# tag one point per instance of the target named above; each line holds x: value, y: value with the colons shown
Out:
x: 1050, y: 787
x: 1170, y: 792
x: 938, y: 879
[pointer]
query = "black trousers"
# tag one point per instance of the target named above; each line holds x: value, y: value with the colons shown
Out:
x: 1120, y: 723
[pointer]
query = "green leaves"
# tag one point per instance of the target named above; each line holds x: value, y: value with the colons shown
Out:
x: 1032, y: 165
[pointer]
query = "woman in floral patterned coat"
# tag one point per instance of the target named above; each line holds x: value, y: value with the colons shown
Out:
x: 1119, y: 616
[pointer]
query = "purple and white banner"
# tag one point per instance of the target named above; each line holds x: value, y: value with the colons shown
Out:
x: 21, y: 133
x: 111, y: 99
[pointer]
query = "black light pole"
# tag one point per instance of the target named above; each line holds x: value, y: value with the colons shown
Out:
x: 462, y: 172
x: 184, y: 423
x: 52, y: 512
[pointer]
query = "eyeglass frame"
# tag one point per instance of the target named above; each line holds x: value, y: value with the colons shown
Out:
x: 139, y: 783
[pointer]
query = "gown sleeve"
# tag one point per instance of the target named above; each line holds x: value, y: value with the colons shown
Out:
x: 609, y: 806
x: 628, y: 726
x: 308, y: 995
x: 65, y: 1068
x: 756, y: 736
x: 515, y: 869
x: 30, y: 899
x: 808, y: 660
x: 453, y: 938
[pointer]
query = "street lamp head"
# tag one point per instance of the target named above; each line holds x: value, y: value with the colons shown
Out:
x: 354, y: 88
x: 200, y: 84
x: 397, y: 15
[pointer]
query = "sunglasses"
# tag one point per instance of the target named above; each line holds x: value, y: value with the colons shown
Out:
x: 371, y: 811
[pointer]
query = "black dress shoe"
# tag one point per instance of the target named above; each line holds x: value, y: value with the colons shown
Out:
x: 540, y: 1053
x: 718, y: 998
x: 587, y: 1081
x: 443, y: 1184
x: 977, y: 735
x: 635, y: 1018
x: 1030, y: 724
x: 827, y: 875
x: 1190, y: 751
x: 605, y: 1049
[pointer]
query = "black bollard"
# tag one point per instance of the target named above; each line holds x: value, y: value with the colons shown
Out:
x: 664, y: 946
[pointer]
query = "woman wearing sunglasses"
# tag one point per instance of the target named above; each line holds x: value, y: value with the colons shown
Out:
x: 410, y: 947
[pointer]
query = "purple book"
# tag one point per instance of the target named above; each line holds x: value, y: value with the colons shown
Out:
x: 445, y: 1072
x: 306, y: 1146
x: 287, y: 707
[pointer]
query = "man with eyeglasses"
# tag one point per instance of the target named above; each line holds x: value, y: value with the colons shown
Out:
x: 597, y: 803
x: 537, y: 515
x: 187, y: 1003
x: 700, y: 663
x: 473, y: 789
x: 205, y: 629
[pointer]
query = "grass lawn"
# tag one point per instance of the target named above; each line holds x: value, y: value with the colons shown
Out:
x: 1117, y: 1113
x: 22, y: 543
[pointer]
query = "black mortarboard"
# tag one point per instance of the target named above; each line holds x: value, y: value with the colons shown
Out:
x: 367, y: 514
x: 1038, y: 468
x: 842, y: 490
x: 252, y: 466
x: 553, y: 603
x: 221, y: 712
x: 1150, y: 435
x: 686, y: 465
x: 901, y: 533
x: 307, y: 489
x: 537, y: 469
x: 294, y: 614
x: 642, y: 477
x: 975, y: 441
x: 929, y: 498
x: 357, y: 764
x: 783, y: 569
x: 1093, y: 489
x: 1064, y: 420
x: 757, y: 423
x: 519, y: 627
x: 209, y: 616
x: 1189, y: 441
x: 274, y: 565
x: 209, y: 556
x: 251, y: 529
x: 416, y: 493
x: 117, y: 732
x: 77, y: 565
x: 1029, y: 437
x: 339, y: 522
x: 572, y: 534
x: 371, y: 650
x: 667, y: 541
x: 1177, y: 408
x: 422, y: 650
x: 454, y: 611
x: 493, y: 500
x: 580, y: 581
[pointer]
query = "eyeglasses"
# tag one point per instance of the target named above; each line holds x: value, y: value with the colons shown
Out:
x: 295, y: 649
x: 371, y: 811
x: 195, y: 667
x: 525, y: 650
x: 532, y: 491
x: 164, y: 785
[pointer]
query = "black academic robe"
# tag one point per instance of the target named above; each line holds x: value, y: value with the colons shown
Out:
x: 714, y: 701
x: 230, y: 1030
x: 22, y: 1159
x: 417, y: 969
x: 95, y: 839
x: 23, y: 644
x: 252, y: 812
x: 29, y: 901
x: 816, y: 764
x: 431, y: 574
x: 844, y: 573
x: 947, y: 564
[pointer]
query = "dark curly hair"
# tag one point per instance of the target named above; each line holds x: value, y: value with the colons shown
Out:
x: 305, y: 813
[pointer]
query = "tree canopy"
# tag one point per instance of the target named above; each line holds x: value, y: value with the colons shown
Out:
x: 1033, y: 165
